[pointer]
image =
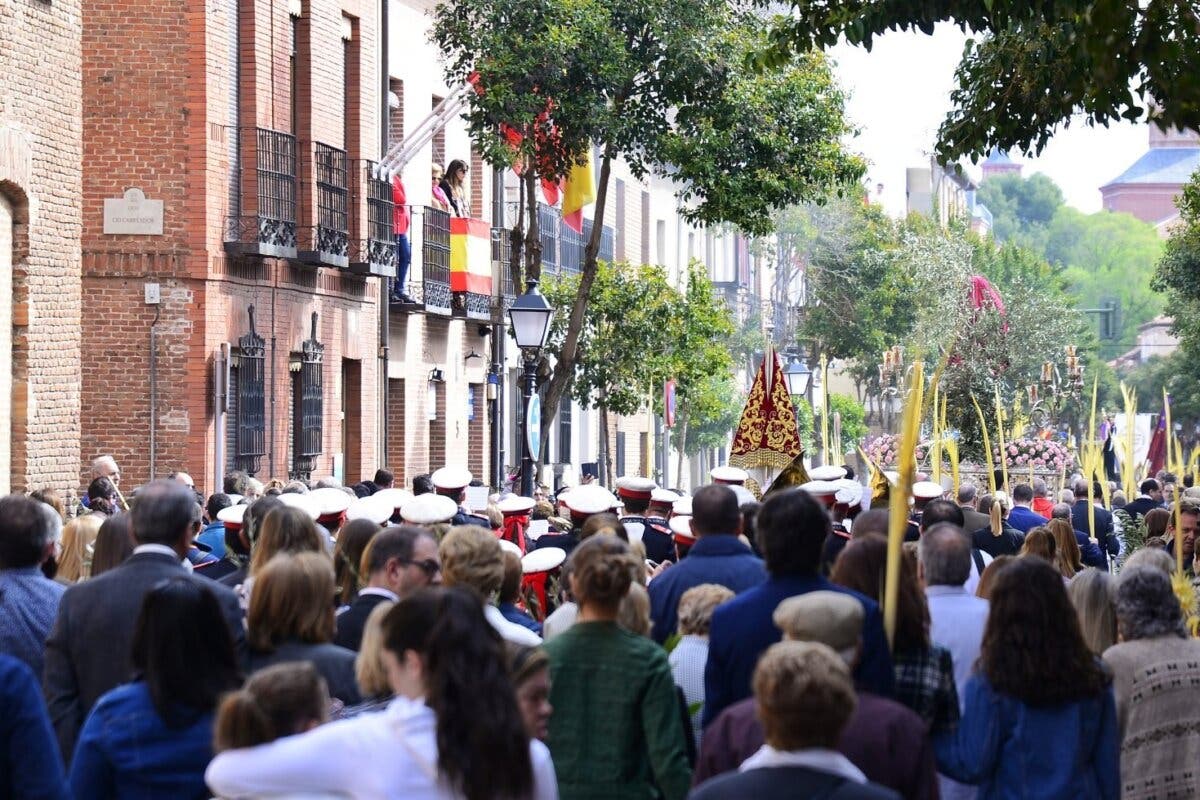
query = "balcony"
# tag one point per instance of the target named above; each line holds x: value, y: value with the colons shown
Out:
x: 328, y: 241
x: 502, y: 284
x: 372, y: 198
x: 563, y: 248
x: 435, y: 260
x: 265, y: 224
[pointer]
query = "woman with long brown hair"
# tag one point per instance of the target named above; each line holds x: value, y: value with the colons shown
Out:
x: 453, y: 730
x: 1066, y: 546
x: 1039, y: 719
x: 924, y: 671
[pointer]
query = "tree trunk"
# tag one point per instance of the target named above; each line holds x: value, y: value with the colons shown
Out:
x: 517, y: 245
x: 533, y: 233
x: 683, y: 429
x: 564, y: 369
x: 605, y: 450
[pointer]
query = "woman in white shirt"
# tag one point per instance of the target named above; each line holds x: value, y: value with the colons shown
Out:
x: 453, y: 731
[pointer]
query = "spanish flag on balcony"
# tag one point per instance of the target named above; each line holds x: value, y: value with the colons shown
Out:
x: 470, y: 255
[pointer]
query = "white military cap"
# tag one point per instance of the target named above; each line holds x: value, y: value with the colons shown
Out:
x: 728, y: 474
x: 682, y: 507
x: 394, y: 497
x: 374, y: 508
x: 664, y: 497
x: 849, y: 492
x: 743, y: 494
x: 583, y: 501
x: 232, y: 516
x: 301, y: 501
x: 828, y: 472
x: 822, y: 491
x: 516, y: 504
x: 450, y: 479
x: 331, y: 503
x: 429, y: 509
x: 681, y: 529
x: 635, y: 487
x: 543, y: 559
x: 927, y: 490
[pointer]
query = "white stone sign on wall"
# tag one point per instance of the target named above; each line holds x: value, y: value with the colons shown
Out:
x: 133, y: 214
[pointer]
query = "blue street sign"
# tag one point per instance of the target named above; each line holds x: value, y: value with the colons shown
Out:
x: 533, y: 427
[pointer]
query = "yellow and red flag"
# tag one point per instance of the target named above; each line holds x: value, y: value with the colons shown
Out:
x: 579, y: 190
x: 470, y: 255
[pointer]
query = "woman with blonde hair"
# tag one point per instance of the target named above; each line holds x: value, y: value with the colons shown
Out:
x: 78, y: 544
x: 471, y: 556
x: 370, y: 670
x: 1093, y: 593
x: 1066, y: 546
x: 291, y: 618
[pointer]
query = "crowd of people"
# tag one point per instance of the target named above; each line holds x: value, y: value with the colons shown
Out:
x: 293, y: 639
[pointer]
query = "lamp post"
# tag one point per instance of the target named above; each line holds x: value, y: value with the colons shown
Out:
x: 799, y: 378
x: 530, y: 317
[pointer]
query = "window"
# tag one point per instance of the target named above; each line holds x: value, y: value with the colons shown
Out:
x: 620, y: 244
x: 439, y: 138
x: 352, y: 439
x: 308, y: 405
x: 646, y: 227
x: 248, y: 388
x: 619, y: 458
x: 660, y: 236
x: 396, y: 112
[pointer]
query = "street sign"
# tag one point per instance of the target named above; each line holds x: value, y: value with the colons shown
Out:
x: 533, y: 427
x: 669, y: 404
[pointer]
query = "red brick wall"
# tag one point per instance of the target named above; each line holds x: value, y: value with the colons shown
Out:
x: 163, y: 112
x: 1151, y: 204
x: 40, y: 153
x: 397, y: 440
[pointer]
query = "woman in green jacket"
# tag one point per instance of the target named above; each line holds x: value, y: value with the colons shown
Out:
x: 616, y: 730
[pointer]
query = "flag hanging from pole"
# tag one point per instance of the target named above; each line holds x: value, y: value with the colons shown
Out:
x: 470, y: 256
x: 578, y: 190
x: 766, y: 434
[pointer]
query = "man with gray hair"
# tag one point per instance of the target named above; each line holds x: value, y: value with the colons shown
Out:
x: 28, y: 599
x: 1155, y: 668
x: 968, y: 501
x: 1042, y: 504
x: 957, y: 617
x: 88, y: 651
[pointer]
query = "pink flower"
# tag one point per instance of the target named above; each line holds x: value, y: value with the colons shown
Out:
x: 1012, y: 449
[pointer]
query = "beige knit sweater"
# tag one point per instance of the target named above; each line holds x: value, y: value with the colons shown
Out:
x: 1157, y: 687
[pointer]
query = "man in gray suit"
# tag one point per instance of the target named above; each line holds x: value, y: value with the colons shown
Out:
x: 88, y: 652
x: 968, y: 501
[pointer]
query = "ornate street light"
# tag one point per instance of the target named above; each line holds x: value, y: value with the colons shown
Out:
x: 798, y: 376
x: 530, y: 317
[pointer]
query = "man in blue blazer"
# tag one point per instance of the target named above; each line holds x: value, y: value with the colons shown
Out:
x: 718, y: 556
x: 790, y: 531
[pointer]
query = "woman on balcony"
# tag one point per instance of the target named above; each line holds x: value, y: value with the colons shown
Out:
x: 440, y: 201
x: 455, y: 187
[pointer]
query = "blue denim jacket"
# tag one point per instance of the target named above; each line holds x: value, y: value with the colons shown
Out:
x: 1012, y: 750
x: 127, y: 750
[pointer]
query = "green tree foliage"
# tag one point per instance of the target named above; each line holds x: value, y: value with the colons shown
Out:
x: 1178, y: 273
x: 1177, y: 375
x: 1095, y: 257
x: 854, y: 421
x: 663, y: 85
x: 1022, y: 208
x: 1034, y: 66
x: 858, y: 302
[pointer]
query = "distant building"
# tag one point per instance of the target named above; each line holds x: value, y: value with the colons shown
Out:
x: 946, y: 194
x: 998, y: 162
x: 1154, y: 338
x: 1148, y: 189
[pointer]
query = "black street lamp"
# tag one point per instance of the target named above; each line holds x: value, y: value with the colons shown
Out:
x: 530, y: 317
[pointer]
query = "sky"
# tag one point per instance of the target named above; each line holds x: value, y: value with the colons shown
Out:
x: 900, y: 92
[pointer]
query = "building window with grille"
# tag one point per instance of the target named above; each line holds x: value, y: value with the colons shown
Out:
x: 248, y: 390
x: 308, y: 404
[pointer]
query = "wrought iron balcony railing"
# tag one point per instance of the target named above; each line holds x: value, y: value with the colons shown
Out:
x: 371, y: 194
x: 328, y: 241
x: 265, y: 224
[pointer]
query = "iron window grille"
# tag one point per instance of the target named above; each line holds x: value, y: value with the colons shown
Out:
x: 271, y: 230
x: 250, y: 440
x: 435, y: 259
x: 328, y: 242
x: 308, y: 413
x: 375, y: 255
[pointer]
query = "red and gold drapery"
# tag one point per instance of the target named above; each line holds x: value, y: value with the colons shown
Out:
x: 766, y: 435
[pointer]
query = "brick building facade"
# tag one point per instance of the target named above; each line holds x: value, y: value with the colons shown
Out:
x: 256, y: 124
x: 39, y: 245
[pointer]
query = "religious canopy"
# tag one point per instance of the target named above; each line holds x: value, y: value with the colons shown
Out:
x: 766, y: 435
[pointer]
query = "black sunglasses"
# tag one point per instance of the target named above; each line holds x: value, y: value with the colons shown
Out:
x: 428, y: 565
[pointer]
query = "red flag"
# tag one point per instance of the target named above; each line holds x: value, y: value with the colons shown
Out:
x: 1156, y: 455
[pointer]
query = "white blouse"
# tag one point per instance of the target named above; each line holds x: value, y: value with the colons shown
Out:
x: 386, y: 754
